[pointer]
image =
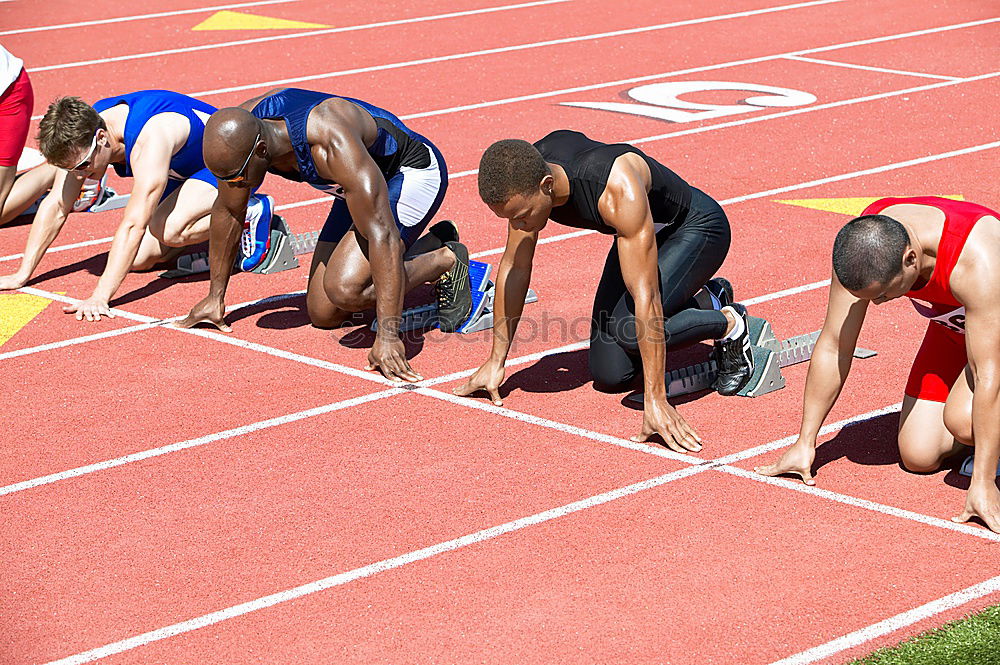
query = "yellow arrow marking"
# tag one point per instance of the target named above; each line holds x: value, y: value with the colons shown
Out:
x: 227, y: 20
x: 16, y: 311
x: 849, y: 206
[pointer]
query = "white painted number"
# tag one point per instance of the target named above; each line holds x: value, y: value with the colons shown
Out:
x: 662, y: 100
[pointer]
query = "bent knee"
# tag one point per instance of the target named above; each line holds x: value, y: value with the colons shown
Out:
x: 959, y: 425
x: 920, y: 456
x: 612, y: 377
x: 344, y: 296
x: 174, y: 236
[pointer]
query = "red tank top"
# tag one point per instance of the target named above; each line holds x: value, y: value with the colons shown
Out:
x: 935, y: 300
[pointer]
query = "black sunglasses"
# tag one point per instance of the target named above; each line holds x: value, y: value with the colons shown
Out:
x: 239, y: 176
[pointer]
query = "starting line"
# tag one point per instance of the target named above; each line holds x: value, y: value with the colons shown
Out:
x: 769, y: 356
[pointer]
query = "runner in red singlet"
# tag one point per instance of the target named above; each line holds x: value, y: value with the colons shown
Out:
x: 945, y: 256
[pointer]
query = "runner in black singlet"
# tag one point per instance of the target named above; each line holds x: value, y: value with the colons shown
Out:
x: 656, y: 291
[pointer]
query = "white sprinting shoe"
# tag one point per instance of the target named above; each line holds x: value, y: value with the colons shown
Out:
x: 91, y: 194
x: 256, y: 239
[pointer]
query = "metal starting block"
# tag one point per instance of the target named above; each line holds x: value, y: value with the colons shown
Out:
x: 966, y: 469
x: 480, y: 317
x: 110, y: 200
x: 769, y: 356
x: 280, y: 257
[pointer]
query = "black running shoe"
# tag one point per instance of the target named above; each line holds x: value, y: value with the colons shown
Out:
x: 722, y: 290
x: 454, y: 290
x: 446, y: 231
x: 734, y: 358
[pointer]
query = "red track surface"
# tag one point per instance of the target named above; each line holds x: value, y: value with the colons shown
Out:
x: 278, y: 479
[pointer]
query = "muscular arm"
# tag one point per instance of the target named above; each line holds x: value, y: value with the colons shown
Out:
x: 831, y: 358
x: 48, y: 222
x: 977, y: 285
x: 348, y: 163
x: 512, y: 283
x: 624, y: 205
x: 225, y: 226
x: 828, y: 370
x: 150, y: 164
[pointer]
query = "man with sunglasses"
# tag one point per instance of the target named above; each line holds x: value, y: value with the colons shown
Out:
x: 152, y: 136
x: 387, y: 182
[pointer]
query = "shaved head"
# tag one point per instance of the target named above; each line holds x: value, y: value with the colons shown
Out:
x: 230, y: 136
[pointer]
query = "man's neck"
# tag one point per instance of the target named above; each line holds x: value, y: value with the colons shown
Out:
x: 560, y: 185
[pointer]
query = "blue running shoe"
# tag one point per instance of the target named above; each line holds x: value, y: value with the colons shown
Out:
x: 256, y: 240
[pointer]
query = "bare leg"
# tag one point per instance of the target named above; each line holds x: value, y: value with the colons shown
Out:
x: 958, y: 408
x: 340, y: 281
x: 17, y: 194
x: 924, y: 441
x: 182, y: 219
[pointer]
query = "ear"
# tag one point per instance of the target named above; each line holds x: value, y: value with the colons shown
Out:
x: 909, y: 257
x: 547, y: 184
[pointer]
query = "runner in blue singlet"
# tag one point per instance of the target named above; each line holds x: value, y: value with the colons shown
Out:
x: 386, y: 181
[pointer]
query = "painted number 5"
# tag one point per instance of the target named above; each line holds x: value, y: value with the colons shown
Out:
x: 662, y: 100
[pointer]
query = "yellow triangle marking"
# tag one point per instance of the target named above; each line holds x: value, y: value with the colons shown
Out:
x: 227, y: 20
x: 18, y: 310
x: 849, y: 206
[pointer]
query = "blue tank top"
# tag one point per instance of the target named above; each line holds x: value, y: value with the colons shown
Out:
x: 395, y: 146
x: 145, y: 104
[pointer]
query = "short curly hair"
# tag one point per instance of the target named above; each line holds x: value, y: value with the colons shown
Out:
x: 508, y: 168
x: 67, y: 128
x: 869, y: 250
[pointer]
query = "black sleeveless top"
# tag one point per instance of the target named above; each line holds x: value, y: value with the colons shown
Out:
x: 588, y: 163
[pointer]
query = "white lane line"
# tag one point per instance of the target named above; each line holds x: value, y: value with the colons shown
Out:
x: 869, y: 68
x: 784, y: 293
x: 62, y: 248
x: 371, y: 569
x: 74, y: 301
x: 895, y: 623
x: 76, y: 340
x: 200, y: 441
x: 649, y: 449
x: 513, y: 362
x: 854, y: 174
x: 827, y: 429
x: 510, y: 49
x: 139, y: 17
x: 375, y: 377
x: 296, y: 35
x: 797, y: 486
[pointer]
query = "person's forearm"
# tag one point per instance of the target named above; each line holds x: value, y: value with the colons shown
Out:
x: 652, y: 345
x: 223, y: 243
x: 121, y: 256
x: 385, y: 252
x: 508, y: 304
x: 46, y: 226
x: 826, y: 377
x: 986, y: 425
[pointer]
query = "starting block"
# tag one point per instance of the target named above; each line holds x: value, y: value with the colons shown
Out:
x: 769, y: 356
x: 967, y: 465
x: 110, y: 200
x: 480, y: 317
x: 280, y: 257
